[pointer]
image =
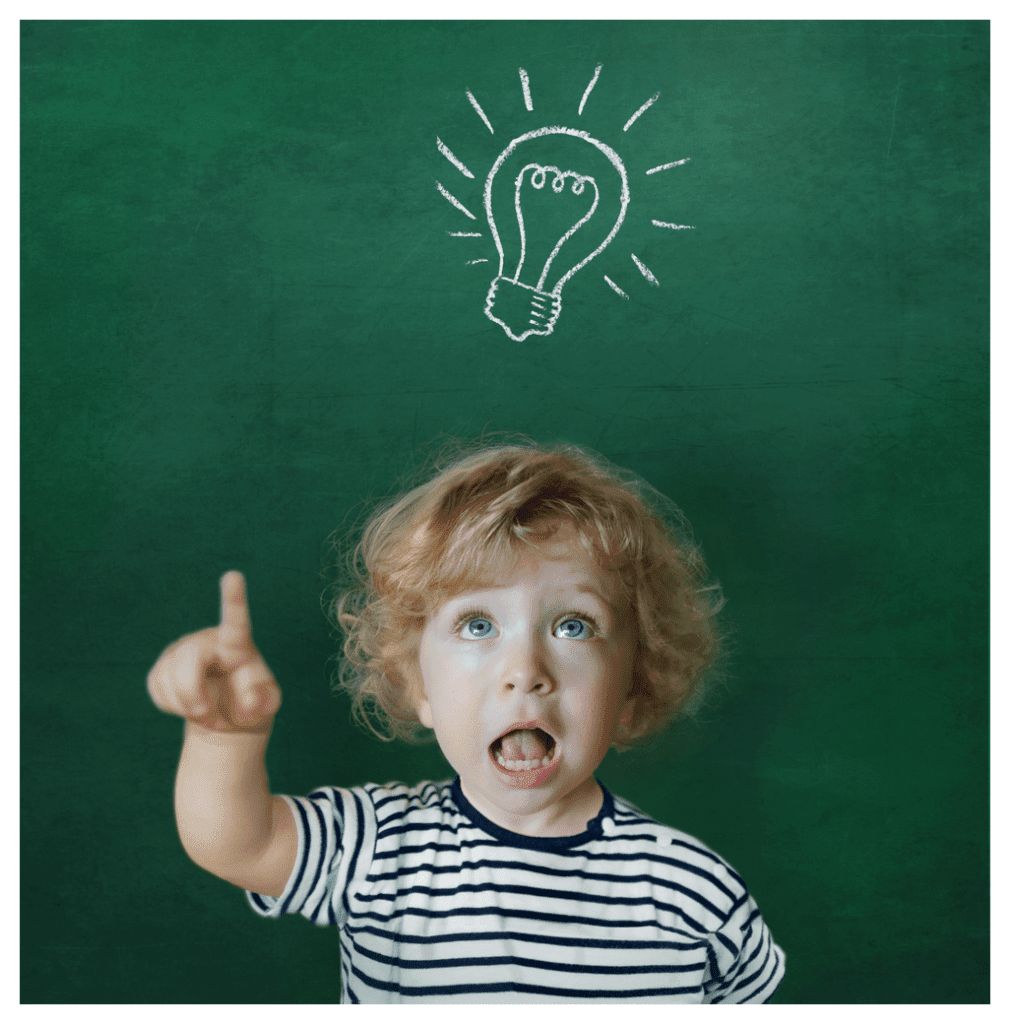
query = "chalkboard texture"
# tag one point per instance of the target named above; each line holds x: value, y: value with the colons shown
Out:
x: 247, y: 301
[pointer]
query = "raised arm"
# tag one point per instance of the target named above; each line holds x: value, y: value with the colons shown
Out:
x: 217, y: 680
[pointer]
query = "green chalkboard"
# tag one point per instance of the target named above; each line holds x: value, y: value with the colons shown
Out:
x: 248, y: 301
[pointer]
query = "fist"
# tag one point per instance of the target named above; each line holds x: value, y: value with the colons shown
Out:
x: 216, y: 677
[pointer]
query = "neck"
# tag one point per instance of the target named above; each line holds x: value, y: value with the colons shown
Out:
x: 567, y: 817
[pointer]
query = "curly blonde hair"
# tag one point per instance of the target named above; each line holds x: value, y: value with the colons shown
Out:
x: 471, y: 518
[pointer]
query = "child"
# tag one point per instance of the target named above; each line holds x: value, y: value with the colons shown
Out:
x: 528, y: 606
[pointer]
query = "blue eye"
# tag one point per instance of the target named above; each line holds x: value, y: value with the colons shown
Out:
x: 572, y: 629
x: 477, y: 629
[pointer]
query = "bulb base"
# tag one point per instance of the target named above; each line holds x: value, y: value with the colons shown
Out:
x: 521, y: 309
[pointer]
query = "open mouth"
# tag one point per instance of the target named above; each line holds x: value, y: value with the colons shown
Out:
x: 524, y: 749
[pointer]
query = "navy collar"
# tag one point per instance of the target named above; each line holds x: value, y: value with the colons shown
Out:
x: 593, y: 830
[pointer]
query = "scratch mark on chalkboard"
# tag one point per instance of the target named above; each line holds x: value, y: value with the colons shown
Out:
x: 470, y: 263
x: 646, y: 272
x: 589, y: 88
x: 676, y: 227
x: 617, y: 413
x: 525, y: 79
x: 448, y: 154
x: 894, y: 110
x: 624, y: 295
x: 476, y: 106
x: 641, y: 110
x: 455, y: 202
x: 463, y: 234
x: 666, y: 167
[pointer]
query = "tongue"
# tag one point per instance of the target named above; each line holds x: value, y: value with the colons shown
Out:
x: 523, y: 745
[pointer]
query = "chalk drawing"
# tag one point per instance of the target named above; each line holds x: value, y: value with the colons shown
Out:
x: 538, y: 179
x: 666, y: 167
x: 447, y: 153
x: 624, y: 295
x: 455, y: 202
x: 523, y: 308
x: 641, y: 110
x: 646, y: 272
x: 503, y: 289
x: 589, y: 88
x: 525, y: 79
x: 476, y: 106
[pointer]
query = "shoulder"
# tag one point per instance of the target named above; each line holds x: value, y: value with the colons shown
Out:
x: 679, y: 857
x: 394, y: 803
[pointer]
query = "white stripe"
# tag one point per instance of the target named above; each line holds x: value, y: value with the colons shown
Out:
x: 676, y: 227
x: 476, y: 106
x: 641, y: 110
x: 525, y: 79
x: 470, y: 263
x: 589, y: 88
x: 666, y: 167
x: 463, y: 234
x: 624, y: 295
x: 455, y: 202
x: 646, y: 272
x: 447, y: 153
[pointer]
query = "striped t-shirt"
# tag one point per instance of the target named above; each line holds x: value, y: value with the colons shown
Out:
x: 436, y: 903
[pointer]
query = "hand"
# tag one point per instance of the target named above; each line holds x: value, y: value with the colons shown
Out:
x: 216, y: 677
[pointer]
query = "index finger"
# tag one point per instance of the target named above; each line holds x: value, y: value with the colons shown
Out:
x: 235, y: 631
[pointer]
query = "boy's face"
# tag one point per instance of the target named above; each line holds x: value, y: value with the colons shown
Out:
x: 535, y: 669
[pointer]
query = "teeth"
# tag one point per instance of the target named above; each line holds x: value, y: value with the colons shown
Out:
x: 517, y: 766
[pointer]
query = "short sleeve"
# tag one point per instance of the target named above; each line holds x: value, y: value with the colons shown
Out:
x: 744, y: 964
x: 336, y: 834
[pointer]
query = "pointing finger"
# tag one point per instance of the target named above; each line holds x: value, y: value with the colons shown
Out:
x: 235, y: 632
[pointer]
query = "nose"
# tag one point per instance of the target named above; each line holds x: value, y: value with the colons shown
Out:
x: 525, y: 668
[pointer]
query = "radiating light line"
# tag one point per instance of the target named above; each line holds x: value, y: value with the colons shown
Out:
x: 661, y: 224
x: 463, y: 234
x: 641, y: 110
x: 470, y: 263
x: 646, y: 272
x: 589, y: 88
x: 476, y: 106
x: 623, y: 295
x: 666, y: 167
x: 448, y: 154
x: 525, y: 79
x: 455, y: 202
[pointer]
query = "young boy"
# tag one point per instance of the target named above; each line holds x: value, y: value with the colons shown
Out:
x: 528, y: 606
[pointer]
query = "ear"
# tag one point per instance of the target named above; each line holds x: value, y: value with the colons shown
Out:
x: 627, y: 712
x: 423, y: 709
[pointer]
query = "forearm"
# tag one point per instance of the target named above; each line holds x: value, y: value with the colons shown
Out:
x: 223, y: 806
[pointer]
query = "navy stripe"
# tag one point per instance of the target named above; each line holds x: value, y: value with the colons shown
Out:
x: 547, y: 894
x: 769, y: 980
x: 522, y: 961
x: 359, y: 842
x: 323, y: 860
x: 409, y: 797
x: 539, y: 869
x: 579, y: 896
x: 516, y: 986
x: 549, y: 940
x: 576, y: 852
x: 304, y: 859
x: 532, y: 915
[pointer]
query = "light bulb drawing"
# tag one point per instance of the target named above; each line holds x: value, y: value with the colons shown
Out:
x: 554, y: 200
x: 522, y: 308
